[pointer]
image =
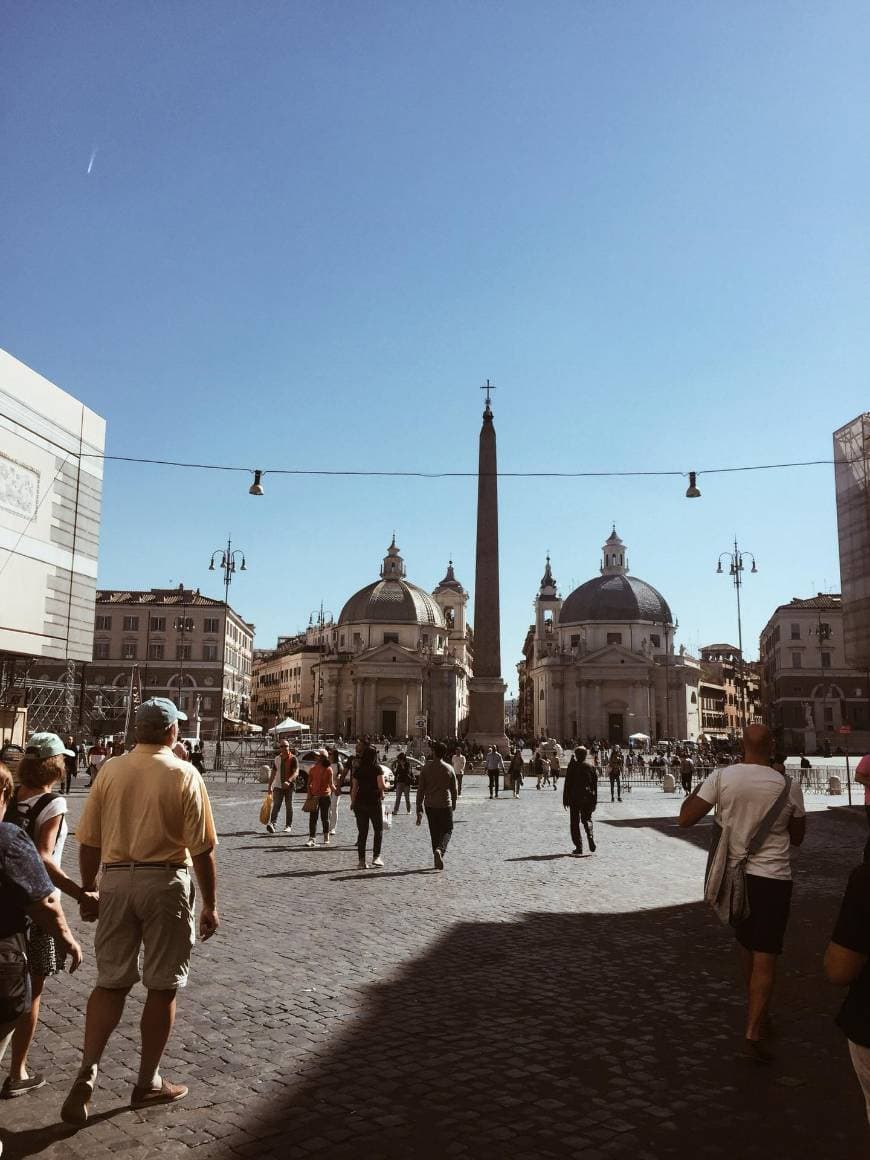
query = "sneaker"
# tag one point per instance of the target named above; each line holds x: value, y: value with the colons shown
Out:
x: 287, y: 830
x: 270, y: 829
x: 577, y: 851
x: 20, y: 1087
x: 310, y: 842
x: 76, y: 1106
x: 326, y: 839
x: 439, y: 860
x: 167, y: 1093
x: 361, y: 865
x: 331, y: 833
x: 378, y: 861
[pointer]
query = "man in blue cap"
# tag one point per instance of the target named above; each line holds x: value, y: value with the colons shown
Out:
x: 147, y: 823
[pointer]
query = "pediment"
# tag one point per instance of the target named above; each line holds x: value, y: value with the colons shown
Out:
x: 614, y: 654
x: 387, y: 654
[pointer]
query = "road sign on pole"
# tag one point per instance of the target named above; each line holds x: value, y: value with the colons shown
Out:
x: 420, y: 722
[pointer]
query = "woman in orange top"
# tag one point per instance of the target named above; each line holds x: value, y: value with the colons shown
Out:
x: 320, y: 789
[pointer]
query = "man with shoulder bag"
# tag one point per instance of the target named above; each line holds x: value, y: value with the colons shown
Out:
x: 759, y: 814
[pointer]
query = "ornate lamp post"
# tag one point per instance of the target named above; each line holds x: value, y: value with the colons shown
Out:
x: 228, y: 567
x: 735, y: 560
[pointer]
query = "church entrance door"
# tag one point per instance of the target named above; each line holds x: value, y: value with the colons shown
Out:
x: 388, y: 722
x: 614, y: 728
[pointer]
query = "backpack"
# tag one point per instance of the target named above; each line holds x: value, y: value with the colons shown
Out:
x: 25, y: 816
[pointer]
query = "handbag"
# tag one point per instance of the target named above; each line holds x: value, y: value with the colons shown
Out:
x: 309, y: 806
x: 266, y: 808
x: 724, y: 885
x: 388, y: 816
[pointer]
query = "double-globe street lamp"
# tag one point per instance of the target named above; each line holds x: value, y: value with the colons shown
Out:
x: 228, y: 567
x: 736, y: 566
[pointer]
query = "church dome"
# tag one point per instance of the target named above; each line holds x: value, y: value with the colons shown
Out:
x: 614, y: 595
x: 615, y: 598
x: 392, y: 599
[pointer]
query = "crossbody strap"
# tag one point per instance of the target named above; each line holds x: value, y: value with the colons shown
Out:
x: 767, y: 822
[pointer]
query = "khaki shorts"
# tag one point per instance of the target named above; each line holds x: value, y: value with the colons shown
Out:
x: 147, y: 908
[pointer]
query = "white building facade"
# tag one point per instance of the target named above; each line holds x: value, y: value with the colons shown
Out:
x: 601, y: 662
x: 398, y: 659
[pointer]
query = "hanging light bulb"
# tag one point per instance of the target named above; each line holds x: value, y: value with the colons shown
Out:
x: 719, y: 569
x: 692, y: 491
x: 256, y: 487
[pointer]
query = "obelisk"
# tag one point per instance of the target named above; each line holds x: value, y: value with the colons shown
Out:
x: 486, y: 688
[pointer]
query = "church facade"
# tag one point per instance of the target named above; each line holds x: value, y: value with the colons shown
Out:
x: 398, y: 659
x: 601, y: 663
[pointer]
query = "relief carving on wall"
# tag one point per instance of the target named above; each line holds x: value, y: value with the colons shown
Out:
x: 19, y: 487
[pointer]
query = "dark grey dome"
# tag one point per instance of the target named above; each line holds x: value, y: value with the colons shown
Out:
x: 615, y: 598
x: 392, y: 601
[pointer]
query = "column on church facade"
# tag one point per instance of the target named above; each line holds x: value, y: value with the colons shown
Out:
x: 404, y: 719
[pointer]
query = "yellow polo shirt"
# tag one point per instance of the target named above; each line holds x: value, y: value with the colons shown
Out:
x: 148, y: 806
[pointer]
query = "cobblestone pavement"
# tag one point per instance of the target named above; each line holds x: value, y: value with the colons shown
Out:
x: 522, y: 1004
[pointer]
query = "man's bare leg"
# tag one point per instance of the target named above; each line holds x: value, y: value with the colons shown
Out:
x: 105, y: 1008
x: 158, y: 1016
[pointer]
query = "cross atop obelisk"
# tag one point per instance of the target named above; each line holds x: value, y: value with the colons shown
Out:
x: 486, y: 687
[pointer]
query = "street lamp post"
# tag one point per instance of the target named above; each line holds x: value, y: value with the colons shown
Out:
x: 735, y: 560
x: 182, y: 624
x: 228, y: 567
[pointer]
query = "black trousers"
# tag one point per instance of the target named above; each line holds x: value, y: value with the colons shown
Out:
x: 440, y: 819
x: 366, y: 813
x: 493, y: 781
x: 580, y: 814
x: 616, y: 779
x: 323, y: 804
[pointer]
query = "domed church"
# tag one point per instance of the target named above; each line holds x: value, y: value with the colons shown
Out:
x: 601, y: 662
x: 398, y: 655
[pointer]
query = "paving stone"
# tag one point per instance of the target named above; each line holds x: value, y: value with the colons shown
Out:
x: 515, y: 1007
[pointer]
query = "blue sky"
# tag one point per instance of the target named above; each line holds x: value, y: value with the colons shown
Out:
x: 312, y: 230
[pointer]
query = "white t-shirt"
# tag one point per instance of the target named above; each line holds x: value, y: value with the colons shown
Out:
x: 459, y: 763
x: 58, y: 806
x: 744, y: 794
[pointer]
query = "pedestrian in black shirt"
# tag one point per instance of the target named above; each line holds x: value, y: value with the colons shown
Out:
x: 846, y: 964
x: 580, y: 796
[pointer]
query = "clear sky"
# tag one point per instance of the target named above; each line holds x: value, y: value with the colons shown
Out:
x: 310, y: 231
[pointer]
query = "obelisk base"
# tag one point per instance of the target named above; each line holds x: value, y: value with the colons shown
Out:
x: 486, y: 712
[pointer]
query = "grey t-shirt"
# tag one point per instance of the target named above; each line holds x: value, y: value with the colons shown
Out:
x: 744, y: 794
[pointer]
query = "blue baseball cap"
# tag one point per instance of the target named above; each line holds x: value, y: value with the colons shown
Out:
x: 159, y: 711
x: 44, y: 745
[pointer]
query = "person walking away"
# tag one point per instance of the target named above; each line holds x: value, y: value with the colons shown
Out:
x: 146, y: 822
x: 458, y: 762
x: 687, y: 770
x: 339, y: 774
x: 436, y: 794
x: 26, y: 893
x: 515, y: 772
x: 320, y: 787
x: 846, y: 965
x: 580, y: 797
x: 40, y: 813
x: 862, y: 776
x: 745, y: 793
x: 806, y: 766
x: 555, y: 770
x: 366, y: 801
x: 197, y: 760
x: 538, y: 768
x: 282, y: 786
x: 615, y: 773
x: 96, y: 757
x: 494, y: 765
x: 402, y: 771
